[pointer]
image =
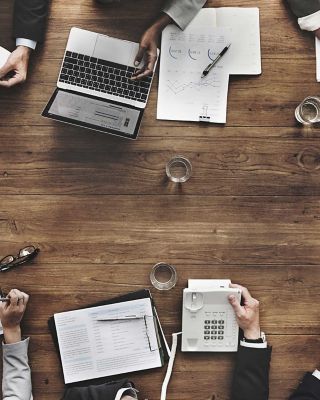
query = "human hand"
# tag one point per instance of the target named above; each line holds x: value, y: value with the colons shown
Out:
x: 248, y: 314
x: 11, y: 314
x: 148, y: 50
x: 14, y: 71
x: 317, y: 33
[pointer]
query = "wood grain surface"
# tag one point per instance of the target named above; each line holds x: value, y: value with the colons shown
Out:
x: 103, y: 213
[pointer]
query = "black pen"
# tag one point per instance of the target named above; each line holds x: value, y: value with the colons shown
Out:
x: 214, y: 62
x: 4, y: 299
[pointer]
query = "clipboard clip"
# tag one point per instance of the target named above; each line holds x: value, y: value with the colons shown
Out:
x: 204, y: 118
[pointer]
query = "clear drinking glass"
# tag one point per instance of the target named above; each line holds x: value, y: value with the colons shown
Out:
x: 163, y: 276
x: 308, y: 112
x: 179, y: 169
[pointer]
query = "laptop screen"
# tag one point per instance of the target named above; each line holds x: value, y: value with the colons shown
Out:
x: 93, y: 113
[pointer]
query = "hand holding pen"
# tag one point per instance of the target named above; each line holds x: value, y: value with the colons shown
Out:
x: 214, y: 62
x: 12, y: 309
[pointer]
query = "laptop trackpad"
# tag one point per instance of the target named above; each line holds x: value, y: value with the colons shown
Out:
x: 115, y: 50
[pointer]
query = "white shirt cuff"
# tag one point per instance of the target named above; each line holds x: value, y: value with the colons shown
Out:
x: 129, y: 391
x: 316, y: 373
x: 254, y: 345
x: 26, y: 42
x: 310, y: 22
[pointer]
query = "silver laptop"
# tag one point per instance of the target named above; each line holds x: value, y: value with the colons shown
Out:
x: 94, y: 89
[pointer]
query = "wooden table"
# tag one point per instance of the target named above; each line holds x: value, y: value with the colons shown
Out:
x: 103, y: 214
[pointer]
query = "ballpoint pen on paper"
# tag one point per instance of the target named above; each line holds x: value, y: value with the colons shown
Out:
x: 122, y: 318
x: 214, y: 62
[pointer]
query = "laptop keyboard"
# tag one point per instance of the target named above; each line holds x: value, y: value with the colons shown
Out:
x: 103, y: 76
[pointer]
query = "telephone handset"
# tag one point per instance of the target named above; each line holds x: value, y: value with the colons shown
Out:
x: 208, y: 321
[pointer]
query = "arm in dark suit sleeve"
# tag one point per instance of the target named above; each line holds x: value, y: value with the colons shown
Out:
x: 251, y: 375
x: 302, y: 8
x: 309, y: 389
x: 29, y: 19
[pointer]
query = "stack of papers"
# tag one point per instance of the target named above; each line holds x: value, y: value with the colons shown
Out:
x: 183, y: 94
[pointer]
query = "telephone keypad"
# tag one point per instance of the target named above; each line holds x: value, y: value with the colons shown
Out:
x: 215, y: 327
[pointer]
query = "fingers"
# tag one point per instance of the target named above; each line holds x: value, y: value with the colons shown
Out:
x: 244, y: 292
x: 13, y: 296
x: 236, y: 306
x: 6, y: 68
x: 25, y: 298
x: 18, y: 298
x: 147, y: 70
x: 139, y: 55
x: 15, y: 69
x: 15, y: 80
x: 151, y: 58
x: 144, y: 73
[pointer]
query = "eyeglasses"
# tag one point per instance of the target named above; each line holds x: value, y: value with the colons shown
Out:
x: 26, y: 254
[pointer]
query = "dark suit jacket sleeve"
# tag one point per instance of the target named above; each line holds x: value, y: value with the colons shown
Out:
x: 302, y: 8
x: 251, y: 375
x: 29, y: 19
x: 309, y: 389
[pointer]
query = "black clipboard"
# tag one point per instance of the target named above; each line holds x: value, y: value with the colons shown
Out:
x: 140, y: 294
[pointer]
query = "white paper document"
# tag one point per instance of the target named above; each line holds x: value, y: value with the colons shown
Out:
x: 92, y: 349
x: 4, y: 55
x: 183, y: 94
x: 244, y: 55
x: 318, y: 59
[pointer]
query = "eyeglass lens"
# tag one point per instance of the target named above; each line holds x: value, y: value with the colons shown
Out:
x: 27, y: 251
x: 7, y: 260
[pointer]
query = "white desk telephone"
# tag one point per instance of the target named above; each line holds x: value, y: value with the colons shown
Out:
x: 208, y: 321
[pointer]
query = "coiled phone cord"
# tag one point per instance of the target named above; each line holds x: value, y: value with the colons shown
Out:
x: 170, y: 365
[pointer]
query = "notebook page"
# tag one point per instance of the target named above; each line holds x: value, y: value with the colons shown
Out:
x: 92, y: 349
x: 244, y: 55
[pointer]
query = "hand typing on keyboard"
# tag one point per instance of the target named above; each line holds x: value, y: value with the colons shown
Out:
x: 103, y: 76
x: 148, y: 47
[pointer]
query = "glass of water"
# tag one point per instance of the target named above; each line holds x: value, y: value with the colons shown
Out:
x: 163, y: 276
x: 308, y: 112
x: 179, y: 169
